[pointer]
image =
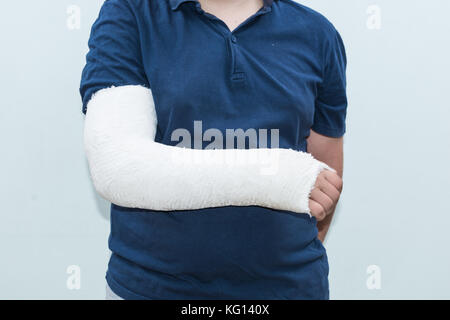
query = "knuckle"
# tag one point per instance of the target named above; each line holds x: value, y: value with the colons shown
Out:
x: 316, y: 212
x: 334, y: 195
x: 329, y: 205
x: 322, y: 214
x: 339, y: 183
x: 317, y: 216
x: 320, y: 179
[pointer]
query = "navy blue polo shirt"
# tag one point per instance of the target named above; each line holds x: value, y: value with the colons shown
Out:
x: 283, y: 68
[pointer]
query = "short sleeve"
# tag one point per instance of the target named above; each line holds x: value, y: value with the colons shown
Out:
x: 114, y: 57
x: 331, y: 101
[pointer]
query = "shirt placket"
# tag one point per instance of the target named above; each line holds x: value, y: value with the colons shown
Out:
x: 236, y: 74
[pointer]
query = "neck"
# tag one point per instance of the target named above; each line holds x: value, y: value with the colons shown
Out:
x: 231, y: 4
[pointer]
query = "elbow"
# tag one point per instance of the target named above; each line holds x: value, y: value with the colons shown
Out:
x: 117, y: 166
x: 99, y: 168
x: 120, y: 127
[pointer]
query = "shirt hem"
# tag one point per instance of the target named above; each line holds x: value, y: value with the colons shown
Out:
x: 121, y: 291
x: 328, y: 131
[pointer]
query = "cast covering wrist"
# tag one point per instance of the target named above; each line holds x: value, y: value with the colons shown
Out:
x: 130, y: 169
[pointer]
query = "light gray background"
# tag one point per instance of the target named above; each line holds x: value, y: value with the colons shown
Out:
x: 394, y: 211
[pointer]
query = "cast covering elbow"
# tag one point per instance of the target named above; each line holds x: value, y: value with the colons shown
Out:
x: 130, y: 169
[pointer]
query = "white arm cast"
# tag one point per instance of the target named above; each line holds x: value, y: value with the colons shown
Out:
x: 130, y: 169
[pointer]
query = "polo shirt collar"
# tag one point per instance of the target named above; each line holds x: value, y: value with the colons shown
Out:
x: 176, y: 3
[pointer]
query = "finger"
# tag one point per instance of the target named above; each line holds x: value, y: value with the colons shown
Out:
x: 329, y: 189
x: 317, y: 210
x: 334, y: 179
x: 322, y: 198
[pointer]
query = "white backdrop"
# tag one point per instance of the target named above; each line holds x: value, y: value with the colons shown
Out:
x: 390, y: 236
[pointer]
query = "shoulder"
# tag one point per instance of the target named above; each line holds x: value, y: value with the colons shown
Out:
x: 138, y: 6
x: 130, y: 13
x: 308, y: 18
x: 116, y: 10
x: 142, y: 11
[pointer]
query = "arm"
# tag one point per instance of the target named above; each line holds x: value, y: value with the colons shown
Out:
x: 325, y: 141
x: 130, y: 169
x: 330, y: 151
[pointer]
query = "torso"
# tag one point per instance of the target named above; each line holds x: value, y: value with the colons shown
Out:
x: 261, y: 75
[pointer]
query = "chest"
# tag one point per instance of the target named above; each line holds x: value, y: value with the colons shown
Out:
x: 259, y: 76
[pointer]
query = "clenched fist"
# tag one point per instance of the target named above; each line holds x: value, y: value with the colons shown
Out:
x: 325, y: 195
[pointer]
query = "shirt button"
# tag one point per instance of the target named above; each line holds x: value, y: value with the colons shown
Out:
x: 233, y: 39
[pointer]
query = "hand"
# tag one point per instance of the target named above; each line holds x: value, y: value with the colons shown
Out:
x: 325, y: 195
